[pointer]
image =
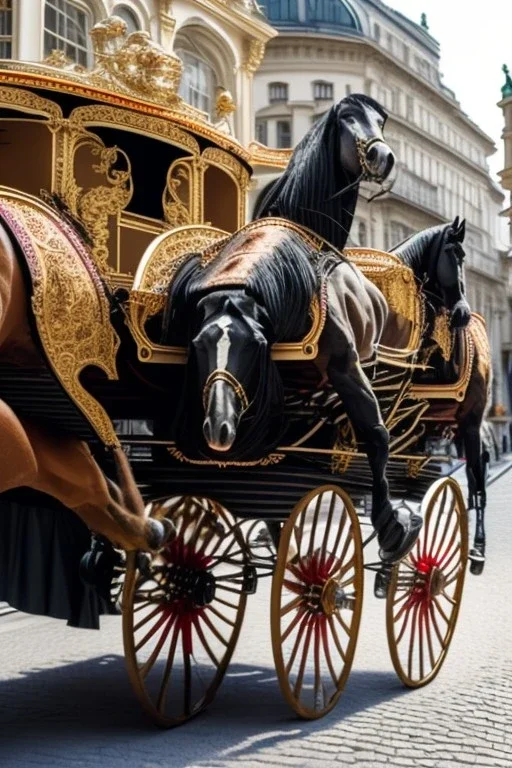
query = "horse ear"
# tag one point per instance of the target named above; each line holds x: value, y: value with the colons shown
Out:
x: 461, y: 231
x: 455, y: 224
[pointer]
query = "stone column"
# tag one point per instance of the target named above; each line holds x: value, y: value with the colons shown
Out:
x: 167, y: 24
x: 28, y: 31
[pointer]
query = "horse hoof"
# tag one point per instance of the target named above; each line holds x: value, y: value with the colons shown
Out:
x: 160, y: 533
x: 476, y: 562
x: 412, y: 530
x: 381, y: 584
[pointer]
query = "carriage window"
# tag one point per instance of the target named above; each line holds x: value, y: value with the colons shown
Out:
x: 323, y: 91
x: 197, y: 82
x: 6, y: 29
x: 277, y: 92
x: 65, y: 29
x: 284, y: 134
x: 261, y: 131
x: 129, y: 18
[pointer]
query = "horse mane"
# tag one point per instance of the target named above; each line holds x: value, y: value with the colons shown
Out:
x: 315, y: 174
x: 282, y: 281
x: 415, y: 250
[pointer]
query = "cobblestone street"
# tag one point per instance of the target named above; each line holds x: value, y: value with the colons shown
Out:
x: 66, y: 700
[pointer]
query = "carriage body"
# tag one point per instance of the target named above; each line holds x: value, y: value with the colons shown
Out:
x: 151, y: 180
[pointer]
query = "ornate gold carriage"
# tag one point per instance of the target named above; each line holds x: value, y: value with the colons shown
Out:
x: 151, y: 180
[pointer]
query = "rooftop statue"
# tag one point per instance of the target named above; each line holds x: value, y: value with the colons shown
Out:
x: 506, y: 89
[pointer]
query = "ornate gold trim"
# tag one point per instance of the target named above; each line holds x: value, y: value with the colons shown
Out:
x: 457, y: 390
x: 27, y: 101
x: 274, y: 158
x: 272, y: 458
x: 27, y: 75
x: 71, y: 310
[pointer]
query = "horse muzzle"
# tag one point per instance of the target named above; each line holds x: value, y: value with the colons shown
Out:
x: 223, y: 409
x: 460, y: 315
x: 379, y: 162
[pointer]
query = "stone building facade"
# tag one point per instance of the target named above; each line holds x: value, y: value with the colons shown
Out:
x: 327, y: 49
x: 220, y: 43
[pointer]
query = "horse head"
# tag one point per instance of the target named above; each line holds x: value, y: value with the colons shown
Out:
x: 449, y: 274
x: 228, y: 349
x: 365, y: 155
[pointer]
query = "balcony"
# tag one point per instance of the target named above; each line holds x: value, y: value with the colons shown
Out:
x: 416, y: 190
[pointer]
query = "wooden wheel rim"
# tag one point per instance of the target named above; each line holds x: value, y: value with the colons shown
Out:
x: 178, y: 620
x: 425, y: 613
x: 347, y: 548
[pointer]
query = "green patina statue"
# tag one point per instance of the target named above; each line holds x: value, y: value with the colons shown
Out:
x: 506, y: 90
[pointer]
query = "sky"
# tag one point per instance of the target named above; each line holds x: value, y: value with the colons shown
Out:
x: 475, y: 40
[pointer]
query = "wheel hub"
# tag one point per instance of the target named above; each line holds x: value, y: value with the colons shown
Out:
x: 437, y: 581
x: 334, y: 598
x: 184, y: 583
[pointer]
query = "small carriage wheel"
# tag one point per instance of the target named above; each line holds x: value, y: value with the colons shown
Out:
x: 425, y: 590
x: 316, y: 602
x: 182, y: 612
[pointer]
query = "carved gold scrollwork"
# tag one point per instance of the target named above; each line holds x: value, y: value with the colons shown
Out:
x: 95, y: 206
x: 178, y: 196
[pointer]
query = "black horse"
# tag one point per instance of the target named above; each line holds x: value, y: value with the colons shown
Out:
x: 319, y: 188
x: 436, y: 257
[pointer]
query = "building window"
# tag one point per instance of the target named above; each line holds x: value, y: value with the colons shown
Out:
x: 277, y: 92
x: 284, y: 134
x: 330, y: 12
x: 376, y: 33
x: 65, y: 29
x: 282, y: 10
x: 348, y: 90
x: 5, y: 29
x: 363, y: 240
x: 129, y: 18
x: 261, y: 131
x: 405, y: 51
x: 197, y: 85
x: 323, y: 91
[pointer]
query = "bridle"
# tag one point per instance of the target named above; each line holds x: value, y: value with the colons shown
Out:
x: 220, y: 374
x: 363, y: 146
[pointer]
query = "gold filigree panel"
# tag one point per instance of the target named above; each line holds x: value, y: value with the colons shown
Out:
x: 71, y: 310
x: 179, y: 200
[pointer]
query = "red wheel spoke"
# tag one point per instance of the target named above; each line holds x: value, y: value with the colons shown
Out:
x: 446, y: 529
x: 447, y: 597
x: 339, y: 533
x: 405, y: 623
x: 420, y: 637
x: 443, y: 562
x: 429, y: 637
x: 293, y: 586
x: 342, y: 557
x: 440, y: 610
x: 342, y: 623
x: 318, y: 677
x: 440, y: 508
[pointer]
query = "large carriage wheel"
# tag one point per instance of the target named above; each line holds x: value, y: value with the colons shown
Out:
x: 317, y: 596
x: 182, y: 613
x: 426, y: 587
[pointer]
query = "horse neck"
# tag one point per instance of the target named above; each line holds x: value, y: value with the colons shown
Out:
x: 303, y: 194
x: 417, y: 253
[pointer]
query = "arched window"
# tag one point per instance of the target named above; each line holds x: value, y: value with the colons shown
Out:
x: 197, y: 82
x: 363, y: 237
x: 330, y: 12
x: 65, y: 29
x: 6, y: 29
x: 129, y: 18
x: 282, y: 10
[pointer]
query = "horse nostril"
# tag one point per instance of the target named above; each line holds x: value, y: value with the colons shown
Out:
x: 226, y: 434
x: 207, y: 430
x: 372, y: 155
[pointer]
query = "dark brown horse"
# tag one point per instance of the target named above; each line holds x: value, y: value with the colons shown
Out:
x: 436, y: 257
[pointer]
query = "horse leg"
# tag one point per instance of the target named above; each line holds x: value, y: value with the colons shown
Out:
x: 396, y: 534
x: 476, y: 470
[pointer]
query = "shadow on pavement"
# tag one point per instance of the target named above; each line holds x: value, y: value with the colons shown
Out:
x: 85, y: 714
